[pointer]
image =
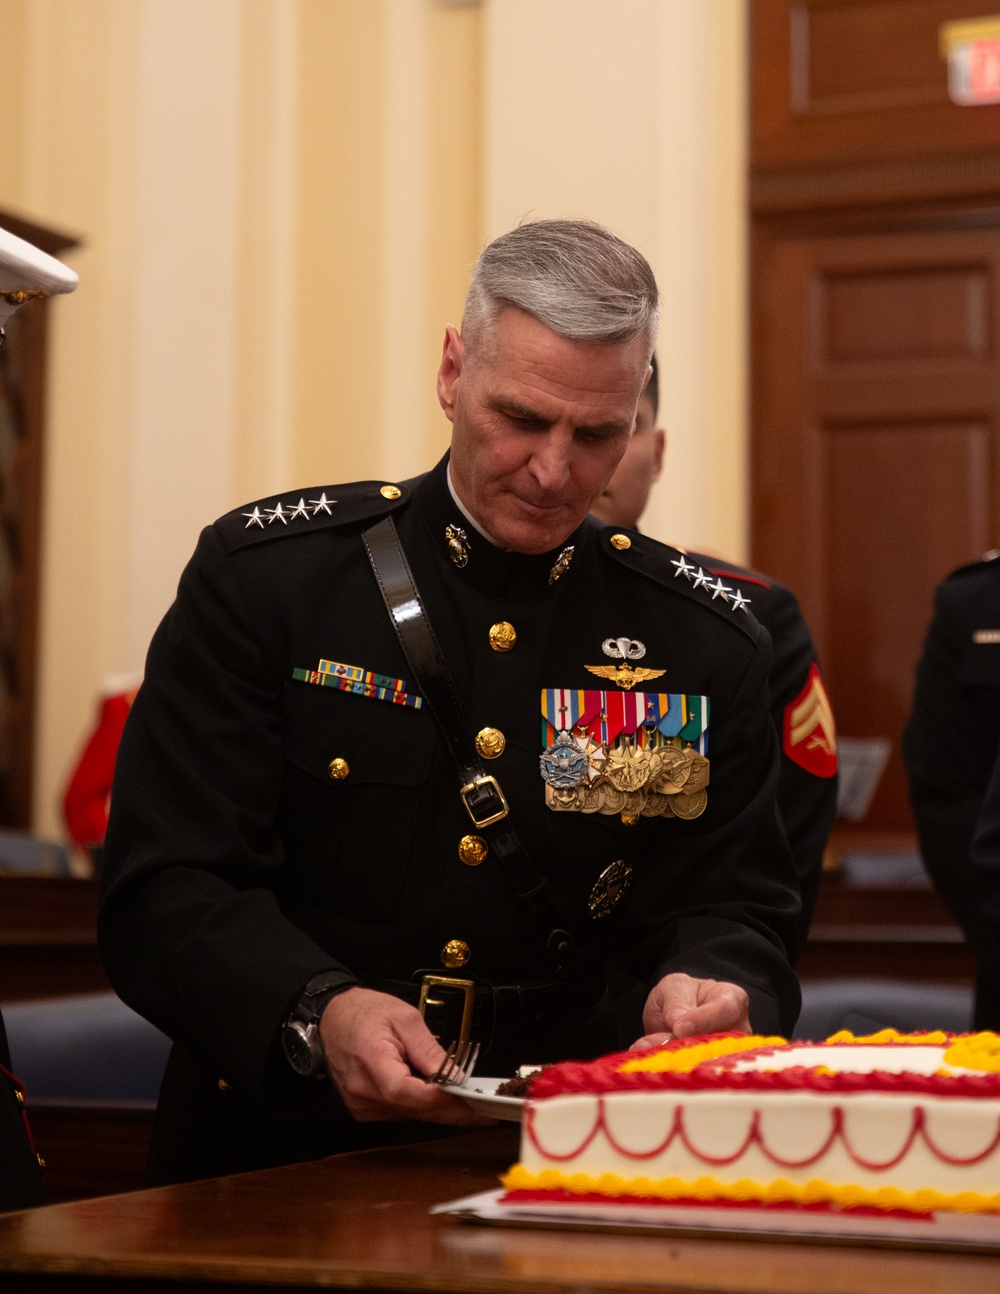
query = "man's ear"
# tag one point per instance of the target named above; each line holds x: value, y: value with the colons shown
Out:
x: 450, y: 370
x: 660, y: 442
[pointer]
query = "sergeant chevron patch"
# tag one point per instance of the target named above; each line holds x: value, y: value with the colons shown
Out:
x: 810, y: 737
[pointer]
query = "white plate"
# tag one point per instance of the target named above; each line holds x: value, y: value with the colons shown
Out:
x: 481, y: 1094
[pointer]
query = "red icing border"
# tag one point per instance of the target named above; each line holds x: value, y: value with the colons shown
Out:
x: 597, y: 1076
x: 571, y: 1197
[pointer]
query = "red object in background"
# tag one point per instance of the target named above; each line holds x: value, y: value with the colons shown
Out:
x: 85, y: 805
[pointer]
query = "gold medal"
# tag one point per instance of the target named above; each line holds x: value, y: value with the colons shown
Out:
x: 671, y: 770
x: 690, y: 806
x: 593, y: 798
x: 614, y: 800
x: 628, y: 769
x: 698, y: 775
x: 565, y: 799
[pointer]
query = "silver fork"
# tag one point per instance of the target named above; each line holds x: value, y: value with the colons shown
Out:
x: 458, y: 1064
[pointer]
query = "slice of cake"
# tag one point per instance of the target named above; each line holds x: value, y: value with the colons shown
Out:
x: 890, y: 1121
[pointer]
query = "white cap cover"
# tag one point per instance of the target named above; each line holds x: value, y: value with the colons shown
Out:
x: 27, y: 272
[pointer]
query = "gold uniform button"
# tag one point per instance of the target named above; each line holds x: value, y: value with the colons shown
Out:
x: 390, y: 491
x: 490, y: 742
x: 621, y: 542
x: 472, y: 850
x: 455, y: 953
x: 19, y: 1096
x: 41, y: 1161
x: 338, y: 769
x: 223, y: 1085
x: 629, y: 819
x: 503, y: 636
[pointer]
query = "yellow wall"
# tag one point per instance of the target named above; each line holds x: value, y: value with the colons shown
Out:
x: 280, y: 202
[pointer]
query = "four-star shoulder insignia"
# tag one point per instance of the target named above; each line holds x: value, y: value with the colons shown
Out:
x: 697, y: 576
x: 308, y: 511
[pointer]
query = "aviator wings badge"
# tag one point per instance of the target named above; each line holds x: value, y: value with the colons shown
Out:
x: 624, y: 675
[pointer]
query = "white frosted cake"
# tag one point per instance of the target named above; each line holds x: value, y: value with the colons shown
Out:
x: 893, y: 1121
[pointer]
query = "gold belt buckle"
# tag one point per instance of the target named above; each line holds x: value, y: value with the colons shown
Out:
x: 489, y: 788
x: 468, y: 988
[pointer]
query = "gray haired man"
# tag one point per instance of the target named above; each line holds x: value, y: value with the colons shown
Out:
x: 413, y: 761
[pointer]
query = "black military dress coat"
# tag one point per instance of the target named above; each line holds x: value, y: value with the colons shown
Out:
x: 265, y: 828
x: 950, y: 746
x: 807, y: 787
x: 20, y: 1178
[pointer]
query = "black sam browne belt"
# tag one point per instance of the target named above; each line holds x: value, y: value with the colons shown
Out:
x: 480, y: 792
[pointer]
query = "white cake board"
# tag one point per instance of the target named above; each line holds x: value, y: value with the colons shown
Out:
x: 975, y: 1232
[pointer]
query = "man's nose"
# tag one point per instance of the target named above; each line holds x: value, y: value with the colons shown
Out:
x: 550, y: 460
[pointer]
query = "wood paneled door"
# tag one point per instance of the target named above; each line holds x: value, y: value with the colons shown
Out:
x: 877, y: 463
x: 875, y: 213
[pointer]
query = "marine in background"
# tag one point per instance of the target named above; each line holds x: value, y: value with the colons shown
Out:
x: 950, y: 746
x: 800, y: 707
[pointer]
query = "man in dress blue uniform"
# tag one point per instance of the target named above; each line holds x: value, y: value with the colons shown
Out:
x: 800, y: 708
x: 298, y: 860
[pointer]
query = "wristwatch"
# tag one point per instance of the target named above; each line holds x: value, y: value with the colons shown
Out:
x: 300, y: 1038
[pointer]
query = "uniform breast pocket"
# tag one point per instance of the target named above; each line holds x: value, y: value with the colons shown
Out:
x: 355, y: 787
x: 980, y: 665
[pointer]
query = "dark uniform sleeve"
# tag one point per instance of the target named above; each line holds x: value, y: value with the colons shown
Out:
x: 190, y: 927
x: 986, y: 866
x: 946, y: 761
x: 807, y: 802
x: 20, y: 1179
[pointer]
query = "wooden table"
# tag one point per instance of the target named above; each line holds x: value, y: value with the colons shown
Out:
x: 362, y: 1222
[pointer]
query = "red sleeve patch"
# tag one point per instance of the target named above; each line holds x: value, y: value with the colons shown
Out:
x: 810, y: 732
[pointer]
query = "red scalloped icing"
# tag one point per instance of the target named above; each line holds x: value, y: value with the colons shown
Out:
x: 739, y: 1206
x: 754, y: 1136
x: 604, y: 1075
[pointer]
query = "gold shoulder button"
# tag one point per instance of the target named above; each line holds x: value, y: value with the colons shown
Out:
x: 390, y: 491
x: 621, y: 542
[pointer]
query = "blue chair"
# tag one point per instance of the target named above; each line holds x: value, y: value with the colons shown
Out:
x: 88, y: 1048
x: 868, y: 1005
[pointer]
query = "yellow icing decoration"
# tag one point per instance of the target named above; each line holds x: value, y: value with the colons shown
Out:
x: 846, y: 1038
x: 776, y: 1192
x: 975, y: 1051
x: 683, y: 1060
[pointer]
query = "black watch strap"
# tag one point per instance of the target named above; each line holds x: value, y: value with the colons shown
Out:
x: 312, y: 1001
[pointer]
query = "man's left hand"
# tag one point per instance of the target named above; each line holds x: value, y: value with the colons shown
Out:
x: 680, y: 1007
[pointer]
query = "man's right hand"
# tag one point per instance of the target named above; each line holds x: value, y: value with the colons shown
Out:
x: 371, y: 1041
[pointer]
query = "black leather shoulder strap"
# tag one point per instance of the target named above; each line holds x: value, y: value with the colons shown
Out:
x: 480, y: 792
